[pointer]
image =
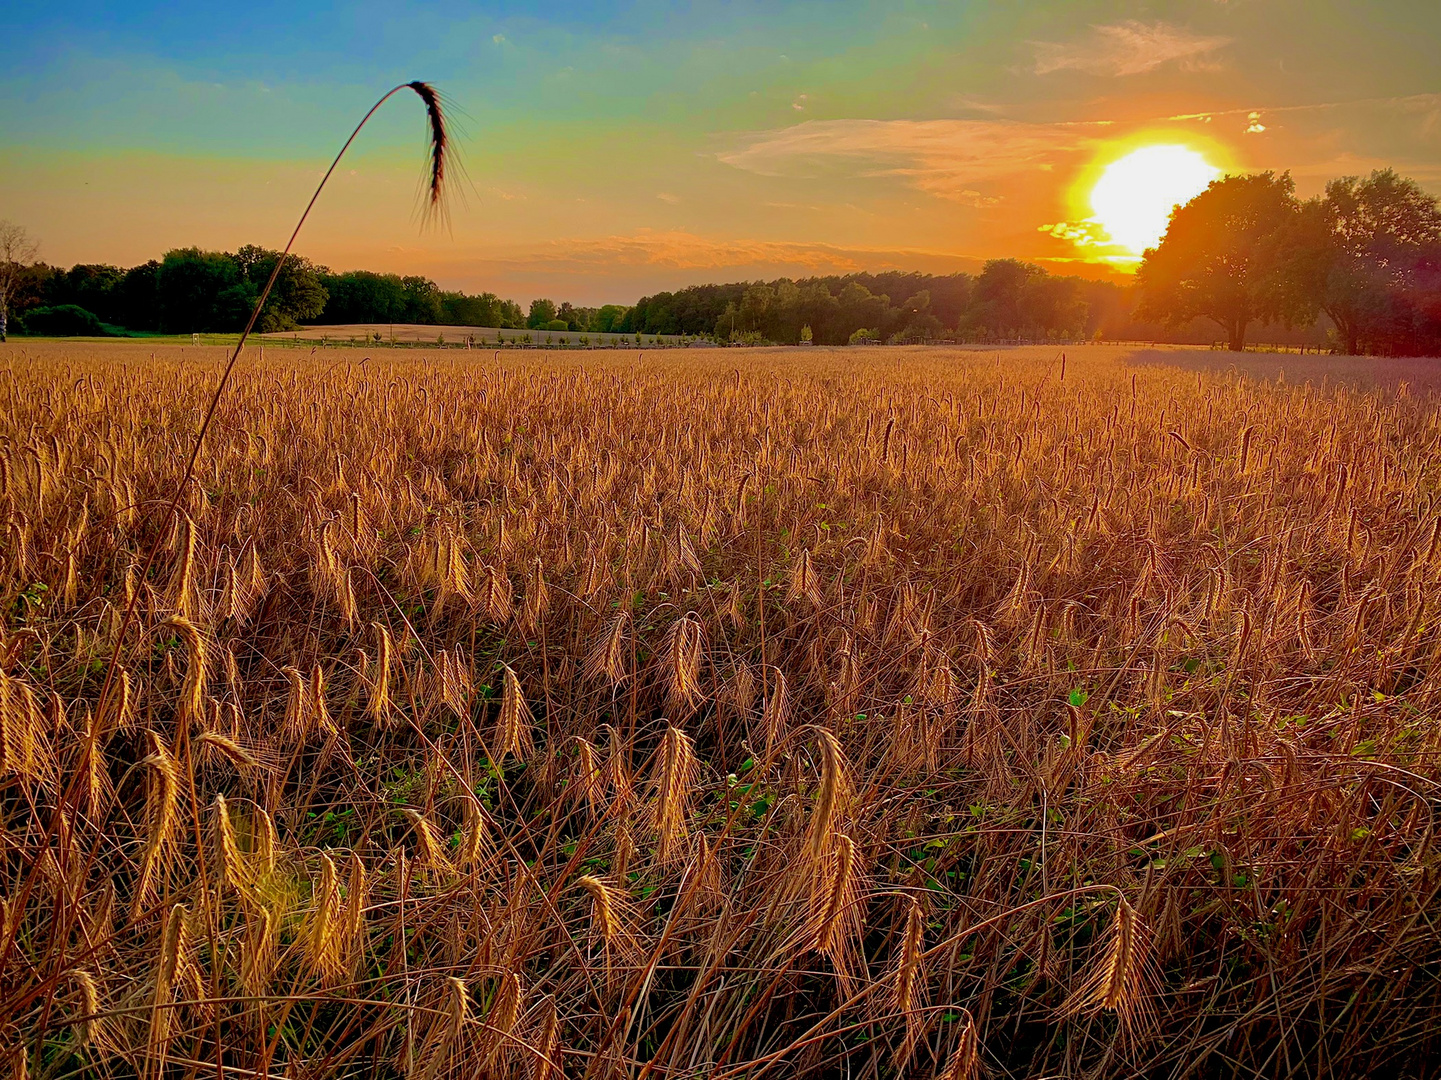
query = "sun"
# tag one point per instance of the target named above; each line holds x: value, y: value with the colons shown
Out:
x: 1135, y: 194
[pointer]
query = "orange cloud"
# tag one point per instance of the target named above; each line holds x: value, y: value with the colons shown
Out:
x: 621, y: 267
x: 682, y: 250
x: 948, y: 158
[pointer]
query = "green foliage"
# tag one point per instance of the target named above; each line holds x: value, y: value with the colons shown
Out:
x: 1368, y: 254
x: 197, y: 290
x: 64, y: 320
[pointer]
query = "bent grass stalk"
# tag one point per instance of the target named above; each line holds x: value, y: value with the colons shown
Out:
x: 439, y: 142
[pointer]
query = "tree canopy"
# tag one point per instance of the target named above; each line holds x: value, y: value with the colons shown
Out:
x: 1367, y: 254
x: 1219, y: 257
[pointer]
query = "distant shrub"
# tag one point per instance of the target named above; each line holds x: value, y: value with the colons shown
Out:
x: 556, y: 324
x: 64, y: 320
x: 911, y: 335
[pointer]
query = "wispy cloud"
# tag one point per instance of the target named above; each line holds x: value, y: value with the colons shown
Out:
x: 949, y: 158
x: 1129, y: 48
x: 700, y: 254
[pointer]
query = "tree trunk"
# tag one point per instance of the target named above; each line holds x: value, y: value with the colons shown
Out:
x: 1237, y: 341
x: 1347, y: 329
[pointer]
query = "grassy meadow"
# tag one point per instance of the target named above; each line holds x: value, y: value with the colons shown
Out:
x: 719, y: 713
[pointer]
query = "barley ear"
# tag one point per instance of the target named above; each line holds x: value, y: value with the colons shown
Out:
x: 965, y: 1062
x: 379, y: 708
x: 197, y: 669
x: 544, y: 1024
x: 1123, y: 981
x: 427, y: 842
x: 169, y: 969
x: 832, y: 798
x: 323, y: 926
x: 232, y: 866
x: 513, y: 734
x: 500, y: 1020
x: 474, y: 838
x: 90, y: 1031
x: 776, y: 713
x: 672, y: 783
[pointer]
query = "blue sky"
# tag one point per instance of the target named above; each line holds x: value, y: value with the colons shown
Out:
x: 615, y: 148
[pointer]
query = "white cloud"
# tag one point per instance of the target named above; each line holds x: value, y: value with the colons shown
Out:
x: 1129, y: 48
x: 949, y: 158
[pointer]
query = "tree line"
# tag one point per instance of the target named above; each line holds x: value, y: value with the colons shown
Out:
x: 1360, y: 263
x: 1008, y: 300
x: 191, y: 290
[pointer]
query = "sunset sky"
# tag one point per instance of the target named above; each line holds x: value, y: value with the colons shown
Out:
x: 613, y: 149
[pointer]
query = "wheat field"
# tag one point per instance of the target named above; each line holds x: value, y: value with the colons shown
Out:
x: 858, y: 713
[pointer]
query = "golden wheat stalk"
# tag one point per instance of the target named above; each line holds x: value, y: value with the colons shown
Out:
x: 832, y: 798
x: 500, y: 1020
x: 1123, y: 980
x: 259, y: 951
x: 776, y: 713
x: 544, y: 1023
x: 589, y: 787
x: 213, y: 744
x: 474, y: 837
x: 428, y: 842
x: 612, y: 919
x: 681, y: 655
x: 804, y: 584
x: 233, y: 871
x: 609, y: 658
x: 161, y: 819
x: 512, y: 733
x: 169, y: 969
x: 379, y: 708
x: 93, y: 1030
x: 909, y: 985
x: 965, y: 1060
x: 21, y: 747
x: 835, y: 910
x: 439, y: 148
x: 357, y: 896
x: 323, y: 925
x: 671, y: 785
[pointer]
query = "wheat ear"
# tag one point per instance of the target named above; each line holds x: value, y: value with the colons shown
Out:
x: 674, y: 777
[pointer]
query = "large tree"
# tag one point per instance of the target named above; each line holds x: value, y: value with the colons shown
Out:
x: 298, y: 296
x: 1366, y: 255
x: 360, y: 296
x: 17, y: 251
x: 197, y: 290
x: 1220, y: 257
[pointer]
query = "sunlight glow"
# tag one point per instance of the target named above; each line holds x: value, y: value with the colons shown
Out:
x: 1135, y: 195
